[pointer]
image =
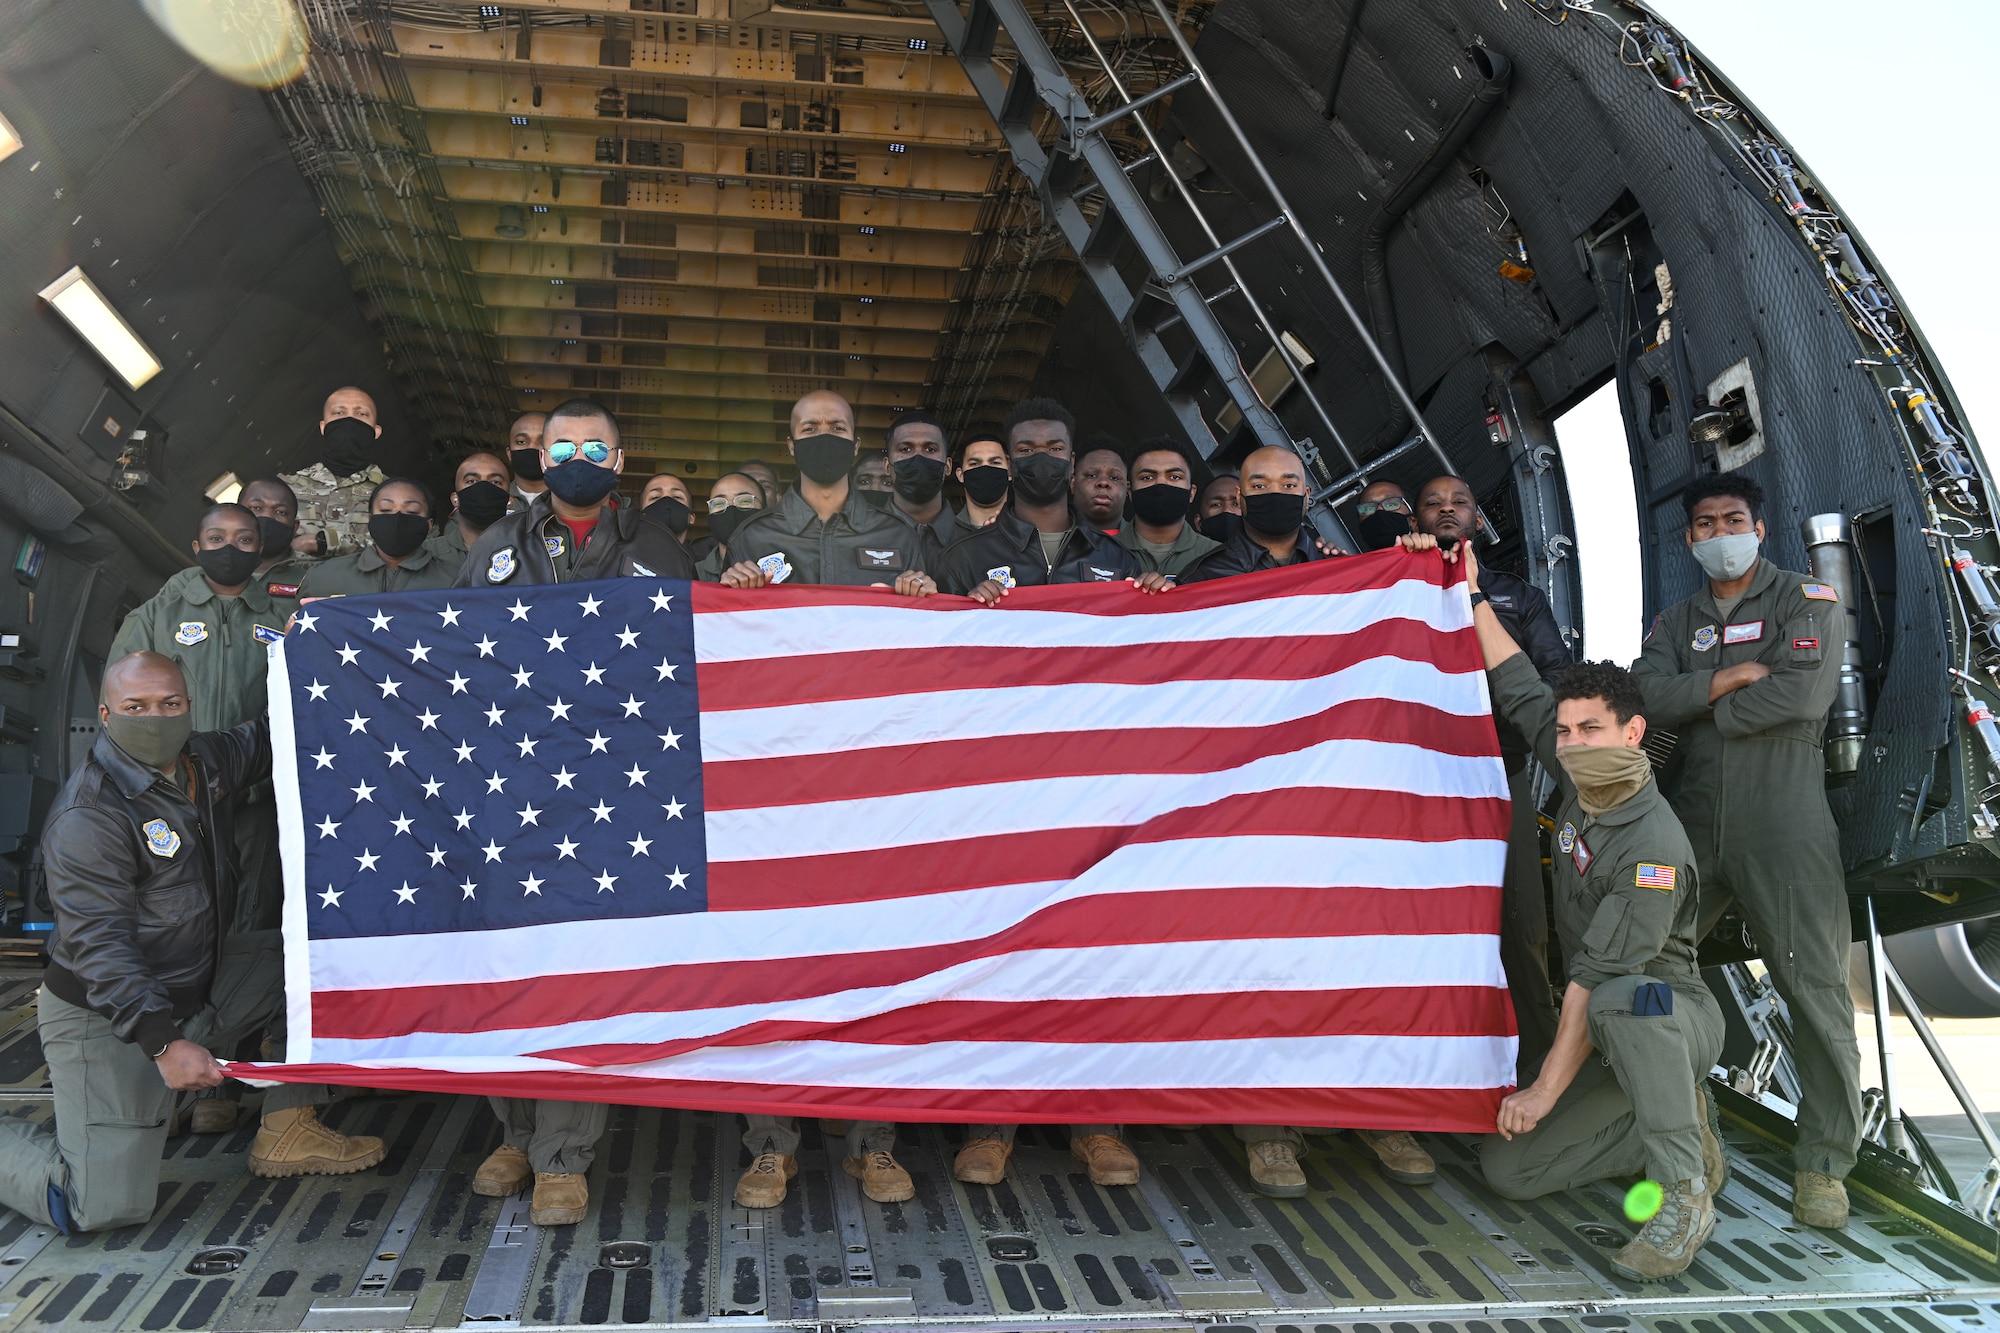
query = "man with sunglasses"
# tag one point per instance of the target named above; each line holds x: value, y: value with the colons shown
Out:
x: 573, y: 531
x: 576, y: 529
x: 1446, y: 510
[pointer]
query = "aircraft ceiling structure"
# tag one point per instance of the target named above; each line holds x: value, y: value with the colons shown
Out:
x: 691, y: 210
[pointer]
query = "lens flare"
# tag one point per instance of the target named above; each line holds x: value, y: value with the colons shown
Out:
x: 1644, y: 1201
x: 262, y: 43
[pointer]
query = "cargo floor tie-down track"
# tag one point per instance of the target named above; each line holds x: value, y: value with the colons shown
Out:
x: 408, y: 1245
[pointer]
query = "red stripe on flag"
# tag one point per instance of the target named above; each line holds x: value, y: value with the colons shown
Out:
x: 1105, y: 919
x: 891, y: 770
x: 1430, y: 1110
x: 1052, y: 855
x: 1390, y: 1011
x: 1378, y: 569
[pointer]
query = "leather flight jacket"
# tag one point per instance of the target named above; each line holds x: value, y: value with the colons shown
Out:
x: 1010, y: 548
x: 536, y: 547
x: 143, y: 880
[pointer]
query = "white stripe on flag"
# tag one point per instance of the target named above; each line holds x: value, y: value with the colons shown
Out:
x: 1189, y: 967
x: 1265, y: 1062
x: 798, y: 631
x: 839, y: 725
x: 460, y: 958
x: 1093, y: 801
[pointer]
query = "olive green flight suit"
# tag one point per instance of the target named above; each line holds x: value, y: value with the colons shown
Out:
x: 1187, y: 547
x: 361, y: 575
x: 1626, y: 902
x: 222, y: 646
x: 1752, y: 795
x: 449, y: 545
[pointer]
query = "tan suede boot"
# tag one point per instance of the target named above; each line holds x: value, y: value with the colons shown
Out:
x: 293, y: 1142
x: 982, y: 1162
x: 503, y: 1173
x: 560, y: 1199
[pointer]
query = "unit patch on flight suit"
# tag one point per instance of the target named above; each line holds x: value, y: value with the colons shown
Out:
x: 1002, y: 575
x: 161, y: 840
x: 191, y: 632
x: 555, y: 545
x: 776, y: 568
x: 1567, y: 838
x: 282, y: 589
x: 1581, y: 857
x: 1704, y: 638
x: 1805, y: 645
x: 1748, y: 632
x: 501, y: 568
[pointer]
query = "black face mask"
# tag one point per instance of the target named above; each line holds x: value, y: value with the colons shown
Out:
x: 1220, y: 527
x: 527, y: 463
x: 875, y: 499
x: 722, y: 524
x: 1157, y: 506
x: 481, y: 504
x: 1041, y: 479
x: 346, y: 446
x: 1379, y: 531
x: 918, y: 478
x: 397, y: 535
x: 580, y: 482
x: 824, y: 459
x: 1274, y: 513
x: 276, y: 535
x: 228, y: 566
x: 670, y: 512
x: 985, y: 484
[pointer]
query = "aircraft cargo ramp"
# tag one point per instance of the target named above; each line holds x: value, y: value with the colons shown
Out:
x: 408, y: 1245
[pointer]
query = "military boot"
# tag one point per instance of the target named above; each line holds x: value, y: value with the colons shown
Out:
x: 1714, y: 1161
x: 882, y: 1177
x: 1402, y: 1157
x: 1667, y: 1244
x: 982, y: 1162
x: 762, y: 1184
x: 503, y: 1172
x: 560, y: 1199
x: 1819, y: 1201
x: 1274, y: 1169
x: 293, y: 1142
x: 1106, y: 1158
x: 214, y: 1115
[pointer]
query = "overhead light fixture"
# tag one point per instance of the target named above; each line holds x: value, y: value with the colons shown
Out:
x: 77, y: 300
x: 224, y: 489
x: 512, y: 224
x: 10, y: 139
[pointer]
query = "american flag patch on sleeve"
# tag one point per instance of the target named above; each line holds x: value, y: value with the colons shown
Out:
x: 1819, y: 592
x: 1651, y: 876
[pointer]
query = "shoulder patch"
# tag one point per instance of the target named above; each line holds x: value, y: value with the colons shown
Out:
x: 1650, y: 876
x: 501, y: 567
x: 160, y: 839
x: 191, y: 632
x: 1819, y: 592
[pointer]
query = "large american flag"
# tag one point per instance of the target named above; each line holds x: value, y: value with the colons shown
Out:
x: 1231, y: 853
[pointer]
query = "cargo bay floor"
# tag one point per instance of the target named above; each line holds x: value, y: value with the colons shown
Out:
x: 408, y: 1245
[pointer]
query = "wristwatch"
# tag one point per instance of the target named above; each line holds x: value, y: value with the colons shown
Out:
x: 1477, y: 597
x: 163, y: 1050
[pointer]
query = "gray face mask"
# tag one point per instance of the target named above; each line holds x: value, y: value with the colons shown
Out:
x: 152, y: 740
x: 1727, y: 557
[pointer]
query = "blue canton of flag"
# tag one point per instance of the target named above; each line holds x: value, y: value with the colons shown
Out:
x: 479, y: 759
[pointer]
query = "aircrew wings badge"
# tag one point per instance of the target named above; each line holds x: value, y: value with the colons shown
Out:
x: 161, y: 840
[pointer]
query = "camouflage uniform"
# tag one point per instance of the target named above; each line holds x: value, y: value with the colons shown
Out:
x: 337, y: 506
